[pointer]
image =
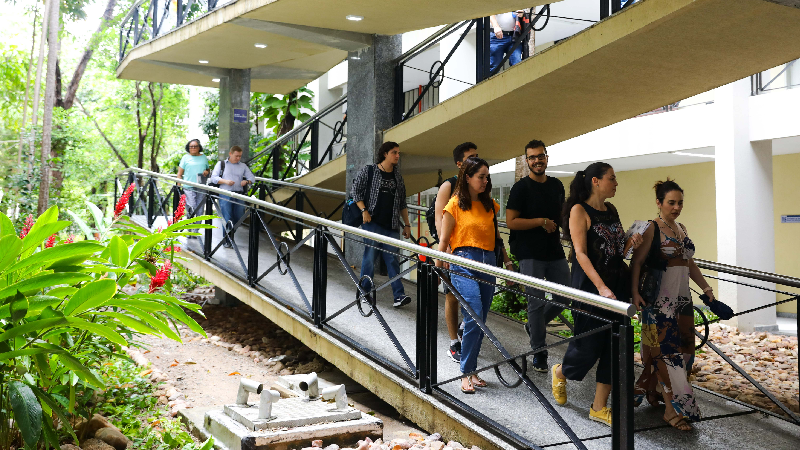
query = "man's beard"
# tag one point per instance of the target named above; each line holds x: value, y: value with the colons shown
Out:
x: 532, y: 168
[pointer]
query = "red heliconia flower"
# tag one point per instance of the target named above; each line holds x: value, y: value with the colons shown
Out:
x: 161, y: 277
x: 123, y: 201
x: 27, y: 227
x: 181, y: 210
x: 170, y: 248
x: 70, y: 239
x: 51, y: 241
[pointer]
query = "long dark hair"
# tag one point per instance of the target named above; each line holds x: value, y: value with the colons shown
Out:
x: 580, y: 190
x: 468, y: 169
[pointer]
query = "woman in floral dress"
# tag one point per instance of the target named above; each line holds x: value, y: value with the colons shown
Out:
x: 668, y: 322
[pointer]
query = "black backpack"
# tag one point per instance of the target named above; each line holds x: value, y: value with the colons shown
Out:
x: 351, y: 213
x: 221, y: 171
x: 430, y: 214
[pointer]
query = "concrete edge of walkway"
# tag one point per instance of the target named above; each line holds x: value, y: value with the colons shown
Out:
x: 424, y: 410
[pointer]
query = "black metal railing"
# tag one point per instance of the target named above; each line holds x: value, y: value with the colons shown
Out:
x: 148, y: 19
x: 415, y: 356
x: 758, y: 86
x: 306, y: 138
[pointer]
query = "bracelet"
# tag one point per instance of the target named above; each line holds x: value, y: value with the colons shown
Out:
x: 545, y: 222
x: 406, y: 226
x: 708, y: 288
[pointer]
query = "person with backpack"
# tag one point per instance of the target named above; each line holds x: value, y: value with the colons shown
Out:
x: 446, y: 190
x: 380, y: 193
x: 532, y: 215
x: 231, y: 175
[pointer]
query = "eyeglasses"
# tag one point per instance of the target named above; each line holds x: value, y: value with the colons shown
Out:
x: 194, y: 146
x: 541, y: 157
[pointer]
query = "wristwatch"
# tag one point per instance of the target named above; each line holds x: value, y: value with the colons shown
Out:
x: 363, y: 209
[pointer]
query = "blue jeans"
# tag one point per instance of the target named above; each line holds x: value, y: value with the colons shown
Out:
x: 499, y: 47
x: 232, y: 209
x: 370, y: 253
x: 478, y: 296
x: 541, y: 312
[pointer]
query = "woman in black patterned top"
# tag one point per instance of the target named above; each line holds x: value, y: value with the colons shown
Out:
x: 598, y: 266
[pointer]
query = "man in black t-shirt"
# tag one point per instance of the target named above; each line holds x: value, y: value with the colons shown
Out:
x: 532, y: 215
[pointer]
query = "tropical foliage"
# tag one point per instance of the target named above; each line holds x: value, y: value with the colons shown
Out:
x: 66, y: 306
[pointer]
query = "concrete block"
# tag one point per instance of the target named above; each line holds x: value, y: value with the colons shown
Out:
x: 291, y: 412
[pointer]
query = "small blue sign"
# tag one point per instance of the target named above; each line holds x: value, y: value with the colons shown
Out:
x: 794, y: 218
x: 240, y: 115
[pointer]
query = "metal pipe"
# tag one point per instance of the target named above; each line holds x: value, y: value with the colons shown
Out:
x: 246, y: 386
x: 547, y: 286
x: 749, y: 273
x: 440, y: 34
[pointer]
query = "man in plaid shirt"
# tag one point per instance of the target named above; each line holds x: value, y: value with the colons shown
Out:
x: 383, y: 208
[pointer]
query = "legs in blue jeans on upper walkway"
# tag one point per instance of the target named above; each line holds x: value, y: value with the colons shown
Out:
x: 479, y: 297
x: 371, y: 252
x: 499, y: 47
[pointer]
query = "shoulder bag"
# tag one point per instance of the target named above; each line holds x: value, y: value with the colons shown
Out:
x: 351, y: 213
x: 652, y: 270
x: 498, y: 242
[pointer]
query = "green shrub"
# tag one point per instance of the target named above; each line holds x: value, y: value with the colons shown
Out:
x: 63, y: 312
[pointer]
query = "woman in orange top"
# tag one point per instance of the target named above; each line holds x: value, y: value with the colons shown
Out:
x: 468, y: 227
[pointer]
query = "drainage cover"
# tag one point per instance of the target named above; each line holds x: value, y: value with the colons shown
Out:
x: 291, y: 412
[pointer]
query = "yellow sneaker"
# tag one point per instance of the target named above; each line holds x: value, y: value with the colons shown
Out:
x: 559, y: 387
x: 602, y: 416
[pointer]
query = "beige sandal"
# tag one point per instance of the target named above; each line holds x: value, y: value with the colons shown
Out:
x: 679, y: 423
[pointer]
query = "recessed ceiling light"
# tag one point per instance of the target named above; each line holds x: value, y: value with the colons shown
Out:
x: 203, y: 61
x: 355, y: 18
x: 261, y: 45
x: 215, y: 80
x: 354, y: 57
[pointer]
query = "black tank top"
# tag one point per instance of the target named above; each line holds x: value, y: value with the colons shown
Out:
x: 605, y: 242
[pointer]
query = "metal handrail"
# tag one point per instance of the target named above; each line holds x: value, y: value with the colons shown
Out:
x: 300, y: 186
x: 430, y: 40
x: 615, y: 306
x: 749, y: 273
x: 285, y: 138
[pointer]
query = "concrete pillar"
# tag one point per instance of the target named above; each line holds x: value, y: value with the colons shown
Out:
x: 745, y: 220
x: 370, y: 99
x: 234, y: 112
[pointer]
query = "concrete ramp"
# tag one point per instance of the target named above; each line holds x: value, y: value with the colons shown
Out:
x: 653, y: 53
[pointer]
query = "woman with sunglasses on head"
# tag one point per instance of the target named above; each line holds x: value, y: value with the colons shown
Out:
x: 668, y: 320
x: 193, y: 164
x: 469, y: 228
x: 598, y: 267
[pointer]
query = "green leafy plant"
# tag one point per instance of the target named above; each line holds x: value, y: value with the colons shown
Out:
x: 63, y: 310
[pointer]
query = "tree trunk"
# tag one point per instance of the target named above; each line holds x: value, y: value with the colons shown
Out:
x: 27, y: 88
x: 521, y: 169
x: 49, y: 103
x: 36, y: 90
x: 72, y: 89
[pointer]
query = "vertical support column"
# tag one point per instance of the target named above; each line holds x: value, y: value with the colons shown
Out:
x: 370, y: 110
x: 744, y: 213
x: 234, y: 112
x: 482, y: 49
x: 314, y: 163
x: 622, y: 386
x: 208, y: 232
x: 151, y: 202
x: 320, y: 287
x: 252, y: 247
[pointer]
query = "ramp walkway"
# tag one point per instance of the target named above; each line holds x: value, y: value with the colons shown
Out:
x: 399, y: 354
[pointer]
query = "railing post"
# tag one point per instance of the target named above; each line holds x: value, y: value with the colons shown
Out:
x: 622, y: 386
x: 314, y: 163
x: 176, y: 199
x: 481, y: 49
x: 209, y: 231
x: 134, y: 195
x: 298, y: 228
x: 179, y: 13
x: 320, y: 280
x: 422, y: 327
x: 151, y: 202
x: 155, y: 19
x: 276, y: 162
x: 604, y: 10
x: 252, y: 247
x: 262, y: 191
x: 399, y: 99
x: 116, y: 190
